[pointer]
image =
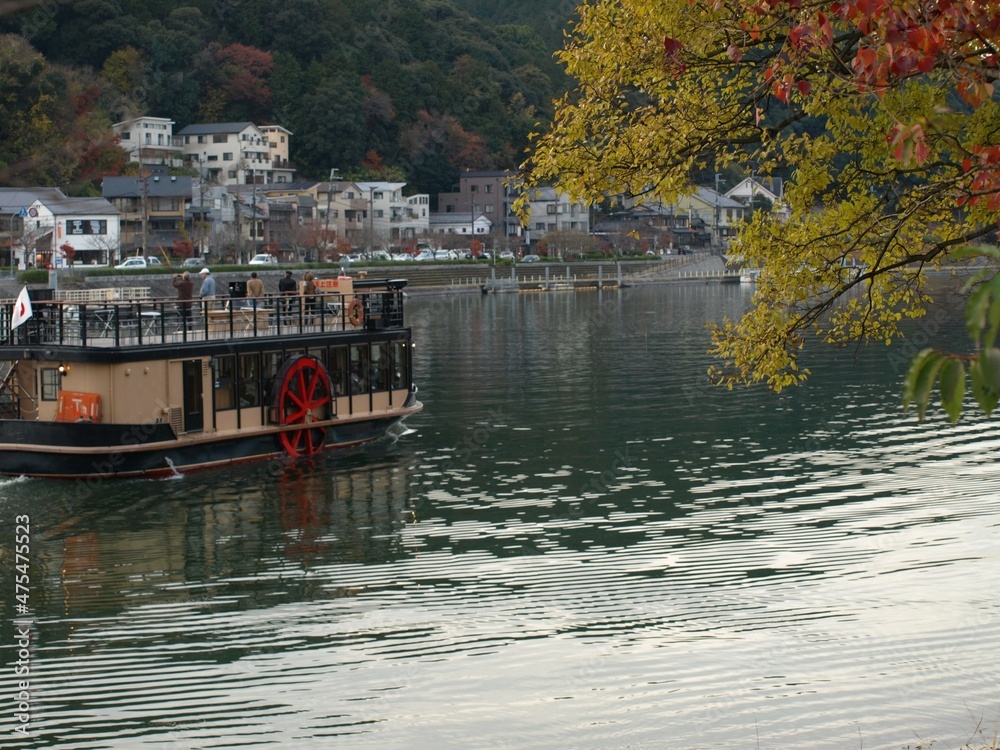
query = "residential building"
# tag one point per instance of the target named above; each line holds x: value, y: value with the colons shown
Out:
x: 750, y: 189
x: 489, y: 193
x: 150, y: 140
x: 51, y: 222
x: 459, y: 223
x: 278, y: 139
x: 211, y: 219
x: 700, y: 218
x: 342, y: 210
x: 14, y: 220
x: 233, y: 153
x: 253, y: 217
x: 393, y: 218
x: 154, y: 210
x: 552, y: 211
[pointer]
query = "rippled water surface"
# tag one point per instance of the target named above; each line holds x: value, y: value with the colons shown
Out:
x: 578, y: 544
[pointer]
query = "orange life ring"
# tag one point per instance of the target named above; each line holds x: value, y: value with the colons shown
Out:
x: 355, y: 312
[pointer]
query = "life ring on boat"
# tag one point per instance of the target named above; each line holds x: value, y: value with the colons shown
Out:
x: 302, y: 397
x: 355, y: 312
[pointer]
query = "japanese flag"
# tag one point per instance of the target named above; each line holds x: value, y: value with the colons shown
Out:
x: 22, y: 309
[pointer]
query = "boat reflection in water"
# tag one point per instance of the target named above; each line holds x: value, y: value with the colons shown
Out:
x: 168, y: 550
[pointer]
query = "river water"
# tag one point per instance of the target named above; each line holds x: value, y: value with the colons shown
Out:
x: 577, y: 544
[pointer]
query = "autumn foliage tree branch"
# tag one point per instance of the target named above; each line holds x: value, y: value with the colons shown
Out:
x: 880, y: 116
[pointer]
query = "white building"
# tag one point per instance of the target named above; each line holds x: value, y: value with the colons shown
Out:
x: 750, y: 189
x: 552, y: 211
x: 278, y: 139
x: 394, y: 218
x: 459, y: 223
x: 52, y: 222
x: 150, y: 140
x: 234, y: 153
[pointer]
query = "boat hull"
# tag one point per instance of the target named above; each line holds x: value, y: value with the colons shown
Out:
x: 96, y: 451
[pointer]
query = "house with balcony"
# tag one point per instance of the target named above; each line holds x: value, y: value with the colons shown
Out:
x: 154, y: 210
x: 393, y: 218
x: 53, y: 223
x: 232, y: 153
x: 342, y: 209
x: 278, y: 139
x: 150, y: 140
x: 550, y: 210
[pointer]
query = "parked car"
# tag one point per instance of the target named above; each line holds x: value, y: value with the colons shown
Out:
x: 137, y: 263
x: 193, y: 262
x: 530, y: 259
x: 425, y: 255
x: 263, y: 259
x: 506, y: 255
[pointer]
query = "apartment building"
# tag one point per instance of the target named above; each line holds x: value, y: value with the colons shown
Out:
x: 490, y: 193
x: 150, y: 140
x: 235, y: 153
x: 552, y: 211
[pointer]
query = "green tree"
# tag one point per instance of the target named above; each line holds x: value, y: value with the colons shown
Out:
x: 896, y: 171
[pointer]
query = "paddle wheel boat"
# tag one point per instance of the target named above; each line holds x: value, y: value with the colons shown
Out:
x: 145, y: 387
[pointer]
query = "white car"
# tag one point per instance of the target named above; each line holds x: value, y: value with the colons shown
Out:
x: 263, y: 259
x: 137, y: 263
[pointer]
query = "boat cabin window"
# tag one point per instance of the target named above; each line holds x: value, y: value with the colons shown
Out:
x: 399, y: 364
x: 359, y: 369
x: 225, y: 382
x: 380, y: 367
x: 51, y: 382
x: 250, y: 380
x: 339, y: 370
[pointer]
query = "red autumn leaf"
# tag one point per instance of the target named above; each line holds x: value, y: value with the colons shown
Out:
x: 804, y: 87
x: 735, y: 53
x: 671, y: 46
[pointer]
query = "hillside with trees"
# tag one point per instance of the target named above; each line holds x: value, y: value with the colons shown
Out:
x: 418, y: 90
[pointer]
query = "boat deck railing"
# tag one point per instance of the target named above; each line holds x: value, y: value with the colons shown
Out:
x: 150, y: 322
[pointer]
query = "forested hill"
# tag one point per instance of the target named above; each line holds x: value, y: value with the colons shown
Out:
x: 415, y: 89
x: 548, y: 19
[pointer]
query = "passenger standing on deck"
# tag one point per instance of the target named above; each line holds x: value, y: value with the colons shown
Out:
x: 309, y: 292
x: 288, y: 287
x: 207, y: 288
x: 185, y: 293
x: 255, y: 289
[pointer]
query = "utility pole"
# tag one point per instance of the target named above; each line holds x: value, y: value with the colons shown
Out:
x: 329, y: 195
x: 144, y: 194
x: 718, y: 238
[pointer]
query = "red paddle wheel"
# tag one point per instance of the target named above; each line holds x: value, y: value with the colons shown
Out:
x: 302, y: 397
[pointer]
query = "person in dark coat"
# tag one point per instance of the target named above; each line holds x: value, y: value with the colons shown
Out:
x: 185, y: 293
x: 288, y: 288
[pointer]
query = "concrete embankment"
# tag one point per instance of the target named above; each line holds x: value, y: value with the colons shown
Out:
x: 429, y: 278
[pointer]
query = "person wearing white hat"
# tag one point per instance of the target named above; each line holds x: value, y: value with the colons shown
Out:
x: 207, y: 286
